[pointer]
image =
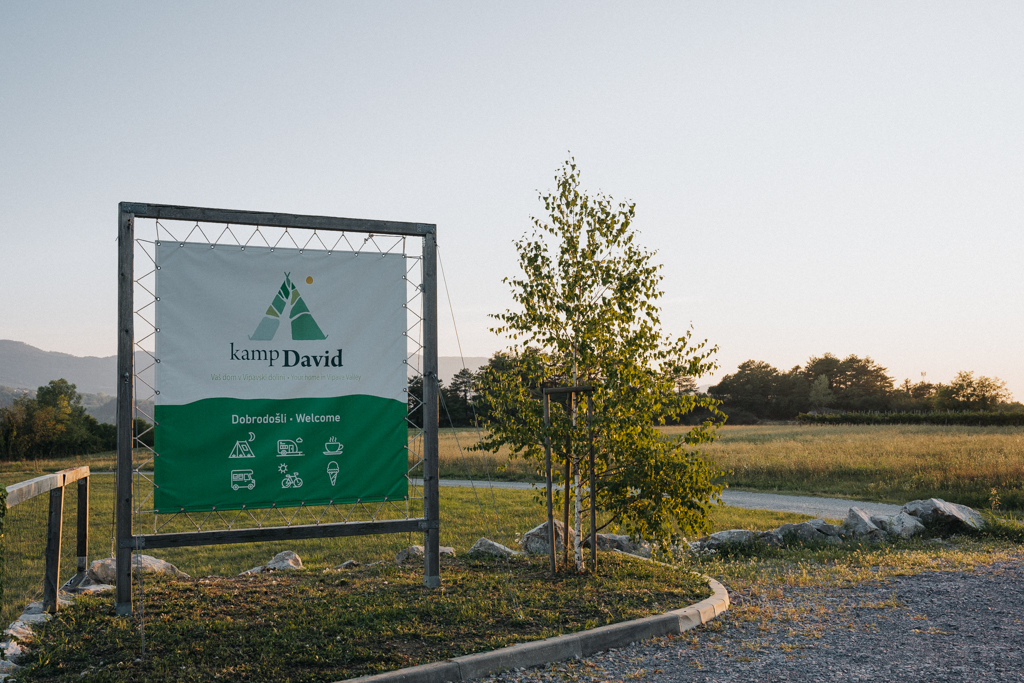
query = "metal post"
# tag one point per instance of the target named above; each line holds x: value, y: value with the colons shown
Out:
x: 431, y: 503
x: 593, y: 487
x: 547, y: 469
x: 83, y: 526
x: 125, y: 402
x: 577, y: 486
x: 51, y: 580
x: 565, y: 496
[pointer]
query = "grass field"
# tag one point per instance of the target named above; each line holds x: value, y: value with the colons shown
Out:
x: 886, y: 463
x: 321, y: 625
x: 466, y: 515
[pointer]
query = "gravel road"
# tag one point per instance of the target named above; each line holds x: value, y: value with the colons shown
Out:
x: 827, y: 508
x: 956, y: 626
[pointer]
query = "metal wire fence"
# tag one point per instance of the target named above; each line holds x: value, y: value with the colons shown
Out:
x: 149, y: 234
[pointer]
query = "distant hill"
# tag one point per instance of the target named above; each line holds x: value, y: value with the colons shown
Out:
x: 9, y: 395
x: 26, y: 367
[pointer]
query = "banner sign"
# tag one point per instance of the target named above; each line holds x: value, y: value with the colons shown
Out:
x: 281, y: 377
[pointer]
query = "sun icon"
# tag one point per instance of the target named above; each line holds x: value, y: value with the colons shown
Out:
x: 309, y: 280
x: 282, y: 468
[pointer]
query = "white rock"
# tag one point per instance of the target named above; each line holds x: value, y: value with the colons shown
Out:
x: 823, y: 527
x: 446, y: 550
x: 34, y: 607
x: 80, y: 585
x: 486, y: 546
x: 284, y: 560
x: 405, y: 553
x: 858, y: 524
x: 730, y: 537
x: 12, y: 650
x: 8, y: 667
x: 104, y: 571
x: 772, y: 538
x: 620, y: 542
x: 536, y: 540
x: 611, y: 542
x: 938, y: 511
x: 348, y: 564
x: 20, y: 630
x: 34, y: 618
x: 902, y: 525
x: 808, y: 532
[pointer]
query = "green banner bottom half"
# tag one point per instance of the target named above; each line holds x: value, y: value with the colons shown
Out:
x: 229, y: 454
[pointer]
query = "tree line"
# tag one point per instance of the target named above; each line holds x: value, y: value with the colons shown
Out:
x: 828, y: 384
x: 53, y: 423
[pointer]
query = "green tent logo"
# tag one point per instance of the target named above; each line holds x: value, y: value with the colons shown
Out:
x: 304, y: 328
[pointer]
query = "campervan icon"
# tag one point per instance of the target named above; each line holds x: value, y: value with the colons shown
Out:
x: 287, y: 448
x: 240, y: 478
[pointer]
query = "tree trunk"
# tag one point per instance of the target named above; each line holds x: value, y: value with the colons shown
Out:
x: 565, y: 514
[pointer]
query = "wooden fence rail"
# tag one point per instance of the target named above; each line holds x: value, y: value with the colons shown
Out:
x: 55, y: 483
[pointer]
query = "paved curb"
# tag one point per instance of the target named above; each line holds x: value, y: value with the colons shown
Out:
x: 560, y: 648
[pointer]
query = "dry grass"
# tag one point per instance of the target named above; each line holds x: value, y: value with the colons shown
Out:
x: 888, y: 463
x: 457, y: 461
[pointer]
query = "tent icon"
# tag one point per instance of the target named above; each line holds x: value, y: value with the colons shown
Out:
x: 242, y: 449
x: 304, y: 327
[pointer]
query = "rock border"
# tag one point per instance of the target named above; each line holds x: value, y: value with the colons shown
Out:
x: 560, y: 648
x: 934, y: 514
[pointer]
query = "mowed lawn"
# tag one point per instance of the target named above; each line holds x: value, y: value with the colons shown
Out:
x: 466, y: 515
x: 884, y: 463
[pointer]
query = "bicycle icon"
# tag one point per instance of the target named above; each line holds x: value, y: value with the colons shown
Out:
x: 291, y: 479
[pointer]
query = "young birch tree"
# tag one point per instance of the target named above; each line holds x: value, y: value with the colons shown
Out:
x: 588, y: 314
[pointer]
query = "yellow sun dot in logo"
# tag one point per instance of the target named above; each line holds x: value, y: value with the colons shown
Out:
x: 309, y: 280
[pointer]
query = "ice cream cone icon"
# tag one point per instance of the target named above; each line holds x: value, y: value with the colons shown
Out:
x: 332, y: 471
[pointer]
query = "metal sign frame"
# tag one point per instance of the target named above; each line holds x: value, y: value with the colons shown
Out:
x: 126, y: 540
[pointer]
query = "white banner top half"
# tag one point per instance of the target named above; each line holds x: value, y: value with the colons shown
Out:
x: 281, y: 377
x: 222, y: 335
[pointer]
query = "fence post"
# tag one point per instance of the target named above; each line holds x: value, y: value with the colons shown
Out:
x: 125, y: 408
x: 83, y: 527
x: 431, y: 511
x: 593, y: 484
x: 51, y: 580
x: 547, y: 470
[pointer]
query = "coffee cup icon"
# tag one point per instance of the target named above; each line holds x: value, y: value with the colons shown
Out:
x: 332, y: 447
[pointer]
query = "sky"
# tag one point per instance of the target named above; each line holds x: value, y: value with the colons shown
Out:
x: 814, y: 176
